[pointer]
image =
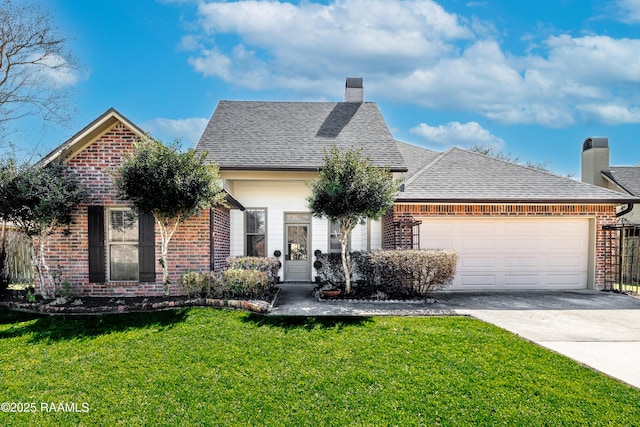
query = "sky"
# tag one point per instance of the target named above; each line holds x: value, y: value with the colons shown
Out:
x: 529, y: 78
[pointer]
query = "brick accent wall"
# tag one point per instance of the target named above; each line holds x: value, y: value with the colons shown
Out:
x: 67, y: 250
x: 603, y: 214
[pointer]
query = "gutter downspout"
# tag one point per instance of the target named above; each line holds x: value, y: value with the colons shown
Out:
x: 625, y: 211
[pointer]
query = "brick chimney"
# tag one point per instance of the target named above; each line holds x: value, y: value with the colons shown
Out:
x: 595, y: 159
x: 354, y: 91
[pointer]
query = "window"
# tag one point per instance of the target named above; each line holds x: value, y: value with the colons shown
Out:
x: 123, y: 245
x: 255, y: 231
x: 335, y: 246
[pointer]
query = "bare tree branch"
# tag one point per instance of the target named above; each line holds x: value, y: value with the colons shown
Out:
x: 36, y: 68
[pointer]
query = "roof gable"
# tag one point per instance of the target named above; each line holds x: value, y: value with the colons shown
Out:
x: 94, y: 130
x: 625, y: 177
x: 458, y: 175
x: 255, y: 135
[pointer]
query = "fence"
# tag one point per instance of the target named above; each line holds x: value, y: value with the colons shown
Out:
x: 18, y: 262
x: 622, y: 266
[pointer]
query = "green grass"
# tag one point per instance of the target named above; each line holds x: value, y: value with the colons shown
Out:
x: 208, y: 367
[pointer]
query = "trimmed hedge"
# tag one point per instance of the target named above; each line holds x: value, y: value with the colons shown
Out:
x: 231, y: 283
x: 270, y: 266
x: 396, y: 273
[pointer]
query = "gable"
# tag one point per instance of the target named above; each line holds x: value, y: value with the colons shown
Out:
x: 91, y: 133
x: 248, y: 135
x: 626, y: 178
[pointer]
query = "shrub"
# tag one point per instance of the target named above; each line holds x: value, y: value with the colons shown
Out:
x: 195, y: 283
x: 232, y: 283
x: 403, y: 273
x: 250, y: 283
x: 270, y: 266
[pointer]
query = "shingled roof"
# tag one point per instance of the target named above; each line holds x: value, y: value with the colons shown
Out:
x: 462, y: 176
x: 625, y: 177
x: 255, y: 135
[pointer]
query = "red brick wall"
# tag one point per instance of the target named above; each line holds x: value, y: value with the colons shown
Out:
x: 67, y: 249
x: 604, y: 215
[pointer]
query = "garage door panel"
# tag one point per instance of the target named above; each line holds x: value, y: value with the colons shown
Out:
x: 522, y: 280
x: 568, y: 262
x: 566, y: 280
x: 513, y: 253
x: 522, y: 262
x: 478, y: 244
x: 565, y: 245
x: 521, y: 244
x: 478, y: 262
x: 478, y: 281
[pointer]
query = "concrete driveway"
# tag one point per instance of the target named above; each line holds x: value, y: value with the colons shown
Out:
x: 597, y: 329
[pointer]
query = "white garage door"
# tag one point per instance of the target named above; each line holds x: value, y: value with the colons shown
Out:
x: 513, y: 253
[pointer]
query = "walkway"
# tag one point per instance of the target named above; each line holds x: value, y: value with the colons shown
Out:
x: 598, y: 329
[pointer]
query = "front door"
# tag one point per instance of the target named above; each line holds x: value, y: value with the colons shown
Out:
x: 297, y: 265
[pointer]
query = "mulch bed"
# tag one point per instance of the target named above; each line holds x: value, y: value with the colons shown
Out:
x: 105, y: 305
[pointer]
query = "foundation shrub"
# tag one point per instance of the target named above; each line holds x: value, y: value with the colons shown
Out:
x: 408, y: 273
x: 251, y: 284
x: 229, y: 284
x: 269, y: 265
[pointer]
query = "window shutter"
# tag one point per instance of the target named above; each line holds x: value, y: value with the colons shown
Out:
x: 97, y: 273
x: 146, y: 248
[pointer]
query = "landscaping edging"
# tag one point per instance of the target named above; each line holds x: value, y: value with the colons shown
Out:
x: 255, y: 306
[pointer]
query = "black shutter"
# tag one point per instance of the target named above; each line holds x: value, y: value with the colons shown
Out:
x: 146, y: 248
x: 97, y: 273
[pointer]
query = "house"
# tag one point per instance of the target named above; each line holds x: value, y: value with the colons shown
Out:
x: 595, y: 169
x: 268, y: 152
x: 107, y: 250
x: 514, y: 227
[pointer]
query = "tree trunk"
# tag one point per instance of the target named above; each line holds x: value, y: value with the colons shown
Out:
x: 166, y: 232
x: 346, y: 226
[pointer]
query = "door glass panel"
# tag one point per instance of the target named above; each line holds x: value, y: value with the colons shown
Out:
x: 297, y: 242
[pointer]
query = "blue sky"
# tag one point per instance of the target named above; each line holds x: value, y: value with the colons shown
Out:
x: 533, y: 78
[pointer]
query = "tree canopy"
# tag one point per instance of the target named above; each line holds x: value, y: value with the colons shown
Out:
x: 171, y: 185
x: 38, y: 199
x: 350, y: 189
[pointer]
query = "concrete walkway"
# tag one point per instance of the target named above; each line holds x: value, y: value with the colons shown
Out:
x: 598, y: 329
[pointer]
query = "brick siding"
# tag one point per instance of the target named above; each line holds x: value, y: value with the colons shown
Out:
x: 67, y: 250
x: 603, y: 214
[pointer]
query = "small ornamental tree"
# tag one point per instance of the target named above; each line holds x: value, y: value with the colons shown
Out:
x: 38, y: 200
x: 349, y: 190
x: 169, y: 184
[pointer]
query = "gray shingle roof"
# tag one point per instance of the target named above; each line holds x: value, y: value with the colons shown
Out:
x: 627, y: 177
x: 461, y: 176
x: 249, y: 135
x: 416, y: 157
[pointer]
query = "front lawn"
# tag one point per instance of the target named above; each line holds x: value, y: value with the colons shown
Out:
x: 216, y: 367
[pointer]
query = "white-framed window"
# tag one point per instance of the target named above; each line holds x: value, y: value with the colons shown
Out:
x: 122, y: 245
x: 255, y: 232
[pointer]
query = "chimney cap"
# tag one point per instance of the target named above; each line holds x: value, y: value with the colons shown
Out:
x: 354, y: 82
x: 595, y: 142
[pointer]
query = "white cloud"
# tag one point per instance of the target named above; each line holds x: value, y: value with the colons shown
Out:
x: 458, y: 134
x: 53, y: 71
x: 416, y: 52
x: 188, y: 131
x: 629, y: 11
